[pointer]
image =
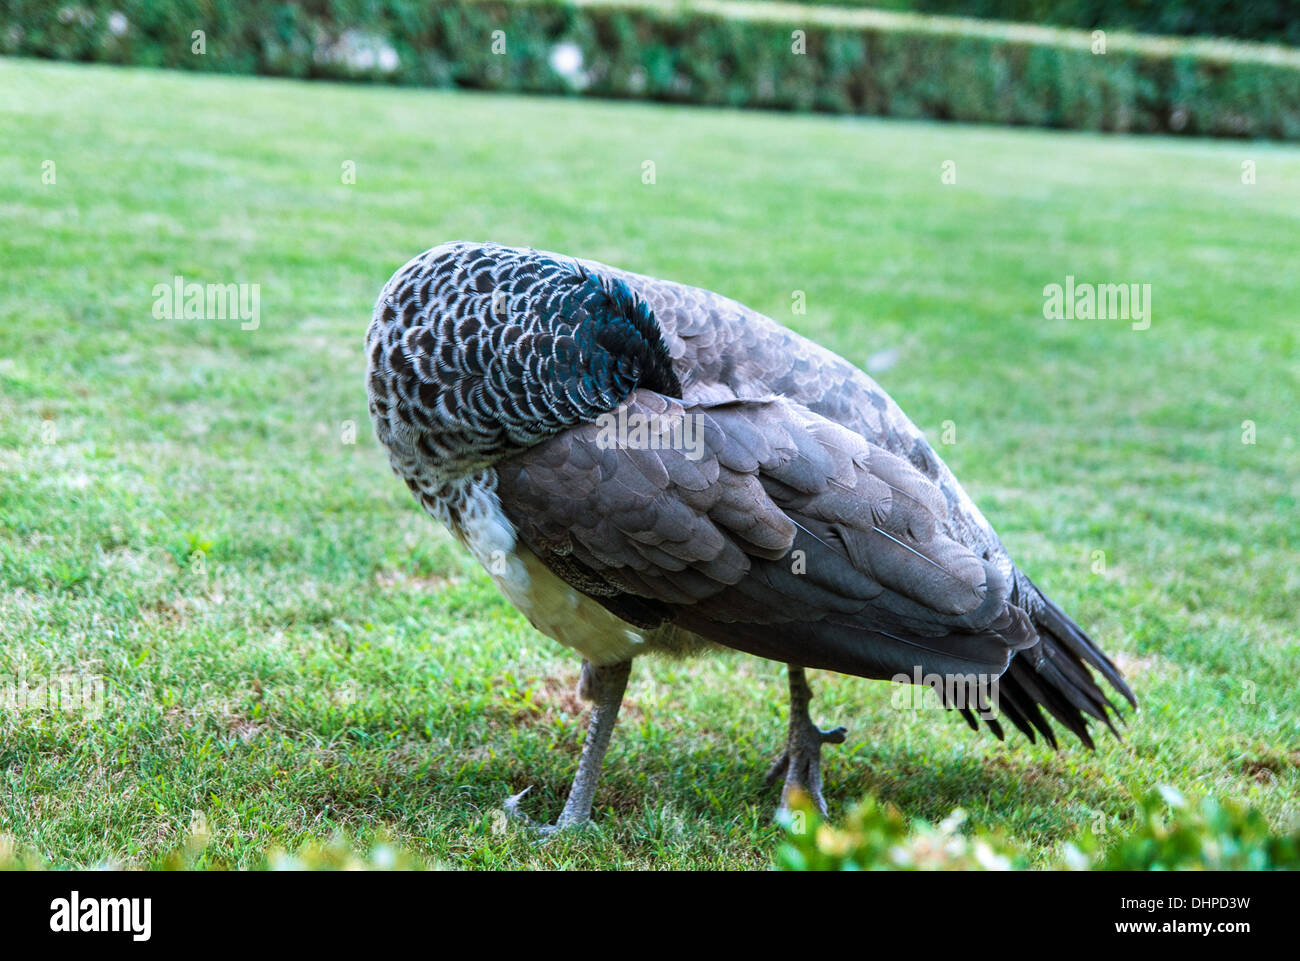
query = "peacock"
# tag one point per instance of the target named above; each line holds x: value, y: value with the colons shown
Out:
x: 647, y: 467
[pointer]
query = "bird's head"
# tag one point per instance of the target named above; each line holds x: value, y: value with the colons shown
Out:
x: 477, y: 352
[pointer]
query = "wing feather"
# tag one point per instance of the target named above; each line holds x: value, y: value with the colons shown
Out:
x: 783, y: 534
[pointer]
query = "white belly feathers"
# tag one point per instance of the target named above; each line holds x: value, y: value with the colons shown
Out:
x: 551, y: 606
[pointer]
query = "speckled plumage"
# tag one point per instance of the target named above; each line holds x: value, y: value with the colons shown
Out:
x: 488, y: 369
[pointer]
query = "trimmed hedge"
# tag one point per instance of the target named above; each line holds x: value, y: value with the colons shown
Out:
x: 705, y: 52
x: 1271, y: 21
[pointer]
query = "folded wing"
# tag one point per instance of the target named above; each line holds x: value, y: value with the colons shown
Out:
x: 765, y: 527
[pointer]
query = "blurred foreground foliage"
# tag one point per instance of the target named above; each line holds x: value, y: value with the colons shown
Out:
x: 1169, y: 833
x: 336, y: 854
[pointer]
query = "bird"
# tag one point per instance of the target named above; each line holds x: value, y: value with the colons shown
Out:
x: 646, y: 467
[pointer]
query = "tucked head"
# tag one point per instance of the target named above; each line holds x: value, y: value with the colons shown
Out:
x: 478, y: 351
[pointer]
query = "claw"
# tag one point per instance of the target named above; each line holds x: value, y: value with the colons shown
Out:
x: 801, y: 761
x: 803, y: 775
x: 801, y: 767
x: 510, y: 806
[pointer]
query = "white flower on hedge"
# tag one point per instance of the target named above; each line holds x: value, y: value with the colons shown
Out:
x: 359, y: 52
x: 117, y: 23
x: 81, y: 15
x: 566, y: 60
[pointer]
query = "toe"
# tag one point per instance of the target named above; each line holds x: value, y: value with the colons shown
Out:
x: 511, y: 805
x: 778, y: 768
x: 835, y: 736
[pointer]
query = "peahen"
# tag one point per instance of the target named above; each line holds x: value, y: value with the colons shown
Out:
x: 646, y: 466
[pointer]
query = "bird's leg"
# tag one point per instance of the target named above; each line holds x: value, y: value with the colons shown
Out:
x: 604, y: 687
x: 802, y: 761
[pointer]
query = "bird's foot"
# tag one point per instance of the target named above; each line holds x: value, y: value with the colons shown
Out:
x: 510, y: 806
x: 801, y: 765
x: 514, y: 815
x: 605, y: 686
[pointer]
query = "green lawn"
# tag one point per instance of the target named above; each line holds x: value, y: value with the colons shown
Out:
x: 336, y: 666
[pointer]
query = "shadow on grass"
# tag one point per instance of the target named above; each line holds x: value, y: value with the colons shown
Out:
x: 1025, y: 790
x: 708, y: 782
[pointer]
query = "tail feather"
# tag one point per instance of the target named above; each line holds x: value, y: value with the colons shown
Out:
x: 1054, y: 676
x: 1039, y: 688
x: 1070, y: 636
x: 1023, y: 711
x: 1013, y: 713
